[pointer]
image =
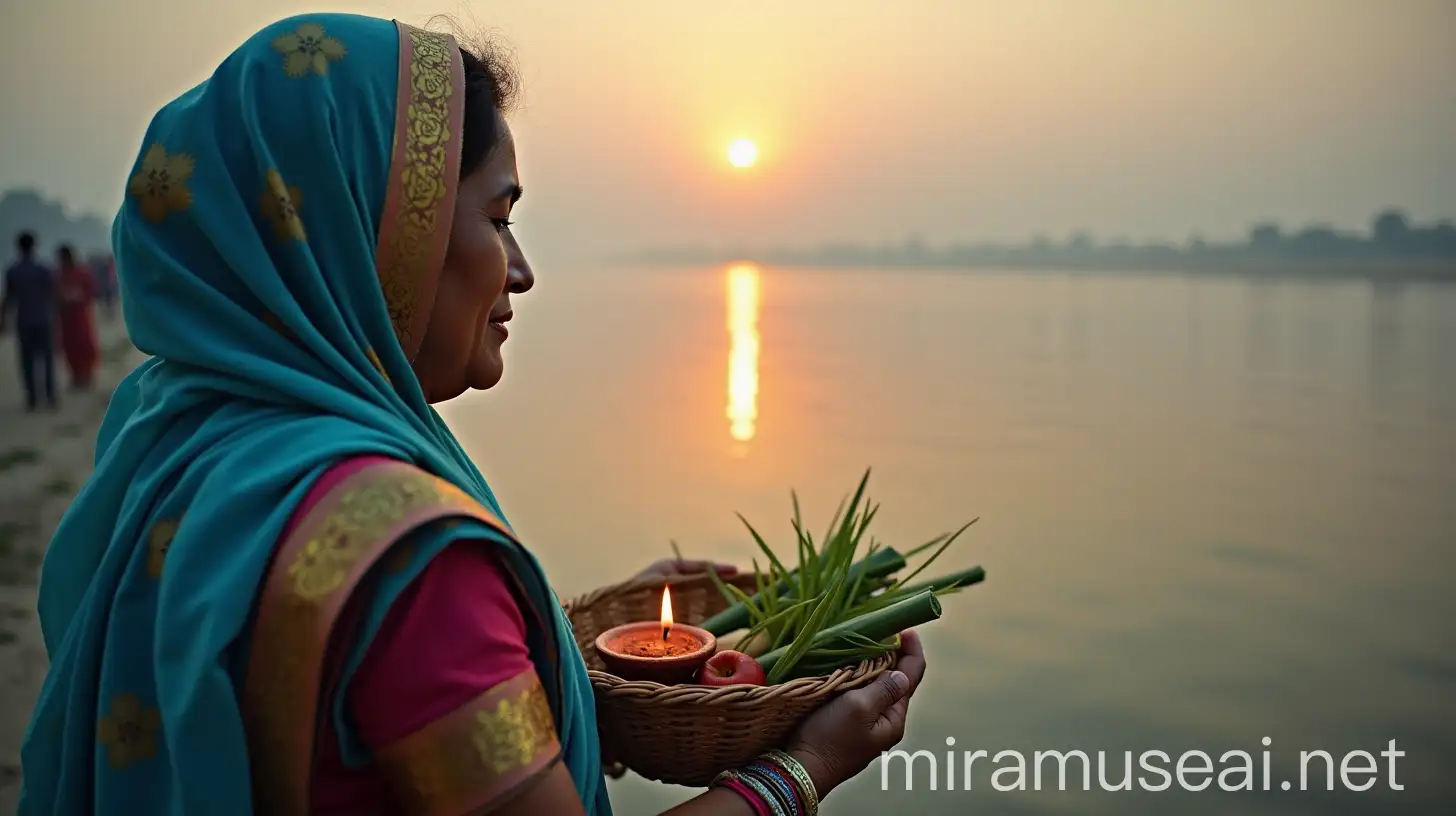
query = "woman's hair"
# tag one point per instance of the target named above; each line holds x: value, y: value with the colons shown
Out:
x: 490, y: 91
x: 66, y: 253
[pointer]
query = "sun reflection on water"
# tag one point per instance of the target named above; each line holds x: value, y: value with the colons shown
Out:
x: 743, y: 302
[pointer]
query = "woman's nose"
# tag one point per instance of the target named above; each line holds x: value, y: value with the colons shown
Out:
x: 519, y: 277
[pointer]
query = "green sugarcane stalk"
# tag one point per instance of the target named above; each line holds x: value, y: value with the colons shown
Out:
x: 955, y: 580
x: 877, y: 626
x: 944, y: 585
x: 882, y: 562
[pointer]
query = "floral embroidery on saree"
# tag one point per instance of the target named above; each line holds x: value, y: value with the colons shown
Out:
x: 279, y: 204
x: 365, y: 513
x: 423, y: 175
x: 476, y: 754
x: 130, y: 731
x: 160, y: 185
x: 308, y: 49
x: 316, y: 570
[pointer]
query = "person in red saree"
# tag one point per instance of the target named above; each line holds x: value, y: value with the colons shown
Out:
x: 75, y: 294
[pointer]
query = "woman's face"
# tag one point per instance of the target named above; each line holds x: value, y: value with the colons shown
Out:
x: 483, y: 268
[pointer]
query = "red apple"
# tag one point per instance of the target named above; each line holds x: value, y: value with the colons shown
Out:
x: 730, y: 668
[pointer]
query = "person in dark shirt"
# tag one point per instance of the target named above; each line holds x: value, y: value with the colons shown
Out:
x: 30, y: 292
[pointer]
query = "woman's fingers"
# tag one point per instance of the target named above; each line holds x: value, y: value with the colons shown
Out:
x: 872, y: 701
x: 890, y: 727
x: 912, y: 658
x: 670, y: 567
x: 694, y: 566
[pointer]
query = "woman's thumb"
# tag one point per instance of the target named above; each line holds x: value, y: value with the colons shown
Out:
x: 890, y: 688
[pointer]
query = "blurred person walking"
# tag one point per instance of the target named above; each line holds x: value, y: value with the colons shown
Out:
x: 103, y: 268
x: 30, y: 294
x: 75, y: 292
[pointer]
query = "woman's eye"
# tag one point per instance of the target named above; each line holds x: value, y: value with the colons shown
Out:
x: 502, y: 224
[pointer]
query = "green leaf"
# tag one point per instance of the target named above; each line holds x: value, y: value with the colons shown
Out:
x: 927, y: 545
x: 834, y: 520
x: 882, y: 624
x: 805, y: 636
x: 800, y: 539
x: 936, y: 554
x: 804, y: 540
x: 864, y: 524
x: 721, y: 586
x: 853, y: 594
x: 858, y: 652
x: 754, y: 613
x: 766, y: 599
x: 763, y: 545
x: 810, y: 558
x: 790, y: 627
x: 780, y: 617
x: 947, y: 584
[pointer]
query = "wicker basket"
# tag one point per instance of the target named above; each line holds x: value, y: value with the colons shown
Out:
x: 687, y: 734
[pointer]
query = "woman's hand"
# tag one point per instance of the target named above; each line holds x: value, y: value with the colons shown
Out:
x: 675, y: 567
x: 844, y: 737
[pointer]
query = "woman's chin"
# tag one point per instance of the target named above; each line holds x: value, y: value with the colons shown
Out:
x: 486, y: 370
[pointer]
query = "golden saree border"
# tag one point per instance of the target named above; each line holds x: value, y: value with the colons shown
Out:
x: 424, y: 175
x: 314, y: 572
x: 480, y: 753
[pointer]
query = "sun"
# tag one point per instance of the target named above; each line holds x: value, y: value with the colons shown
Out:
x: 742, y: 153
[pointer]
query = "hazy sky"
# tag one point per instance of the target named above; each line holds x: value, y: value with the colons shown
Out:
x: 947, y: 118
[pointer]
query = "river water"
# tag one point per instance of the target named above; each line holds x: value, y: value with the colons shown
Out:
x: 1213, y: 510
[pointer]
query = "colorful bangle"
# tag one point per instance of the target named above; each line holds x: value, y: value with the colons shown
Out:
x: 765, y: 790
x: 775, y: 784
x: 783, y: 785
x: 808, y: 794
x: 730, y: 781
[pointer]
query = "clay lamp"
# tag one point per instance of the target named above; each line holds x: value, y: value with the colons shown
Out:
x: 659, y: 651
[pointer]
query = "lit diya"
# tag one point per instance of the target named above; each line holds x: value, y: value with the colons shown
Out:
x: 659, y: 651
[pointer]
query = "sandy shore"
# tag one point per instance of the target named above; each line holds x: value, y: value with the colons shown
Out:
x: 44, y: 459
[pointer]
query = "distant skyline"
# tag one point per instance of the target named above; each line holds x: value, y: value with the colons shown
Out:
x: 957, y: 120
x: 1393, y: 248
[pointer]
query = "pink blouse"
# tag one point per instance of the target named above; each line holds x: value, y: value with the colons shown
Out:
x: 454, y: 634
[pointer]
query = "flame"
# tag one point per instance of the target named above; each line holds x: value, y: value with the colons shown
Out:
x: 743, y: 306
x: 666, y: 612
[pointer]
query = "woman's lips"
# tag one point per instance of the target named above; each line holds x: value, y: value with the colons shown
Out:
x: 499, y: 324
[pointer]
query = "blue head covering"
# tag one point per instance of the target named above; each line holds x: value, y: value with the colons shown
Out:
x: 277, y: 251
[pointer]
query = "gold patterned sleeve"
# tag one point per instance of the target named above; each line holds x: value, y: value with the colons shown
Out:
x: 483, y: 752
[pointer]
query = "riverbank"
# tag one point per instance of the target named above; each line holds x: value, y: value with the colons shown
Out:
x: 45, y: 457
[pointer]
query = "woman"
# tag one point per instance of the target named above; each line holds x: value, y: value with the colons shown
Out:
x: 285, y: 589
x: 75, y: 292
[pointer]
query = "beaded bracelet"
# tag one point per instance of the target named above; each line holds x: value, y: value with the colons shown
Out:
x: 808, y: 794
x: 765, y: 790
x: 774, y: 785
x: 782, y: 783
x: 730, y: 781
